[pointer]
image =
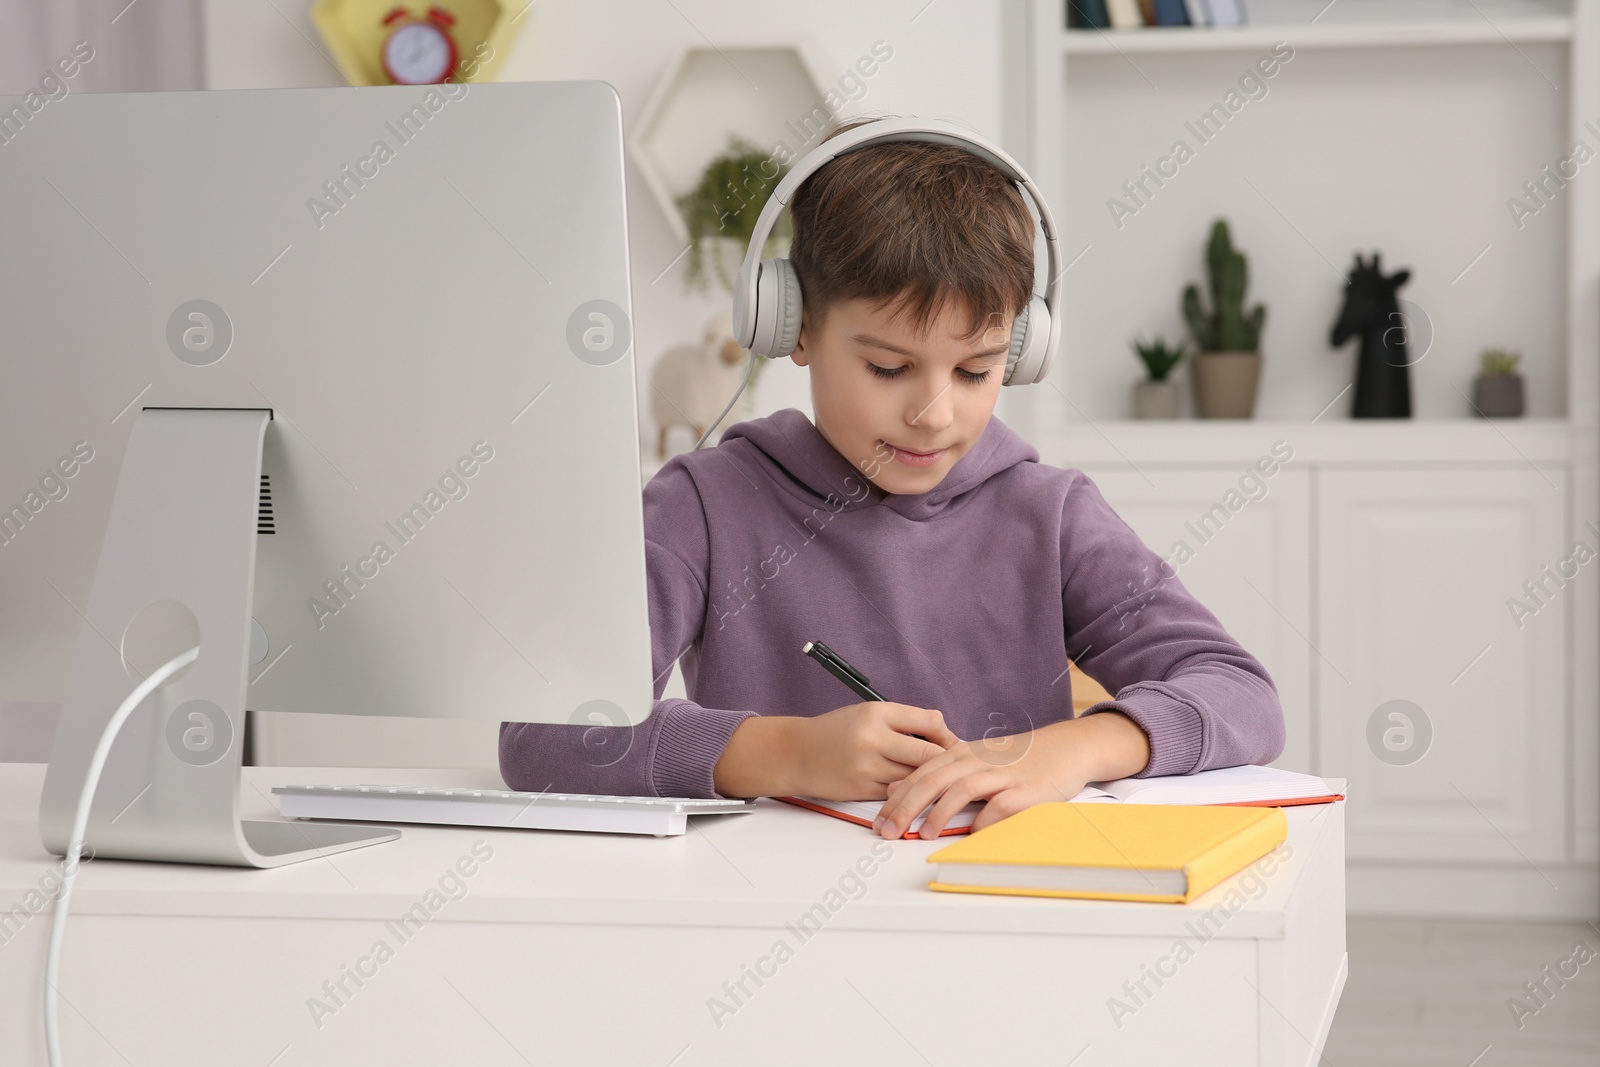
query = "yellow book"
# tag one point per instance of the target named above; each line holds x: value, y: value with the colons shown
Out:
x: 1154, y: 852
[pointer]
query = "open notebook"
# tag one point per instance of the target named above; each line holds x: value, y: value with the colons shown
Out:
x: 1264, y: 787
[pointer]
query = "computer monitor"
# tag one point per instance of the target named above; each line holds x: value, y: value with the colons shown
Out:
x: 339, y: 382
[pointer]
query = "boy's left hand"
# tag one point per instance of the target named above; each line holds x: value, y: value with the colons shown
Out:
x: 1015, y: 772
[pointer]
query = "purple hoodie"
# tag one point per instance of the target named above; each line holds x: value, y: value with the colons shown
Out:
x: 968, y: 598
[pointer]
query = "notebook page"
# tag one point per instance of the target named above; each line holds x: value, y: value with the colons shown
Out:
x: 1225, y: 785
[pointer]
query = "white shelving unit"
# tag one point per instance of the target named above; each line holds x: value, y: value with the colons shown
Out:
x: 1320, y: 24
x: 1402, y: 126
x: 672, y: 141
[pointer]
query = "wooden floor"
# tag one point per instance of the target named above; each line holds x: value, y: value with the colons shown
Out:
x: 1427, y: 992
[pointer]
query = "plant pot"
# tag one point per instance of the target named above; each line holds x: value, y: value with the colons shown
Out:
x: 1225, y: 384
x: 1155, y: 400
x: 1498, y: 395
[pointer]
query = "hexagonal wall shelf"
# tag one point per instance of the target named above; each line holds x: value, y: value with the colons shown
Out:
x: 768, y: 94
x: 354, y: 32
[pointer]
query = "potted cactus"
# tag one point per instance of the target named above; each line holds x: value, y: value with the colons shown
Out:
x: 1227, y: 368
x: 1497, y: 391
x: 1157, y: 396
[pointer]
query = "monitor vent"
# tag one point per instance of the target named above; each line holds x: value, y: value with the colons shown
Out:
x: 264, y: 523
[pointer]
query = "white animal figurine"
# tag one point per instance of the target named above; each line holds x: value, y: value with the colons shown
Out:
x: 691, y: 384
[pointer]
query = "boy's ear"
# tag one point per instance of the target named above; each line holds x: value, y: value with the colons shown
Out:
x: 800, y: 355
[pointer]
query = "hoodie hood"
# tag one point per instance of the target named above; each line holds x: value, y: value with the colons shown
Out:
x: 813, y: 469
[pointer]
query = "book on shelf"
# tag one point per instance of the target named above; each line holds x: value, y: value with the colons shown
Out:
x: 1246, y: 786
x: 1170, y: 13
x: 1087, y: 15
x: 1125, y: 14
x: 1133, y: 14
x: 1226, y: 12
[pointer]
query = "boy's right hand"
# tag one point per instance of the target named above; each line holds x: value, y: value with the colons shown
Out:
x: 854, y: 752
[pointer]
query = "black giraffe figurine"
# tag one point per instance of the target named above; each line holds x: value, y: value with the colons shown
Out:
x: 1383, y: 382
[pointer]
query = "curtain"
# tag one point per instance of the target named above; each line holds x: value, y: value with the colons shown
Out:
x: 143, y: 46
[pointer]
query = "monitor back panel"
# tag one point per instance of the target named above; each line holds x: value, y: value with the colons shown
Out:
x: 429, y: 288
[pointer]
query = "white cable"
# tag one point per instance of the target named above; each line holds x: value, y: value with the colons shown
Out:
x: 80, y: 824
x: 751, y: 373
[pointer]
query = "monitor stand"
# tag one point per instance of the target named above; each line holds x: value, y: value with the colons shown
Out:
x: 179, y: 551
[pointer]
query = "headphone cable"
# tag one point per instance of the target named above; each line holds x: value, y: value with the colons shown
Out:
x: 723, y: 414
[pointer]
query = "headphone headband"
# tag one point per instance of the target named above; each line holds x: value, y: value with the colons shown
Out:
x: 880, y: 131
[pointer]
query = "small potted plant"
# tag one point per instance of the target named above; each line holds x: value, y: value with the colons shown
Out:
x: 1497, y: 391
x: 1157, y: 396
x: 721, y: 214
x: 1228, y: 366
x: 722, y: 209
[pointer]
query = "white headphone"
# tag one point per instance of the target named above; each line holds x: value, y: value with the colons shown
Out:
x: 766, y: 295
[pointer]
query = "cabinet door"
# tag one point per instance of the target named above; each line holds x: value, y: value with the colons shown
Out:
x: 1250, y: 563
x: 1417, y: 569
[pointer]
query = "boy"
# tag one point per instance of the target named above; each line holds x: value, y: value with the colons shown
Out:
x: 918, y: 536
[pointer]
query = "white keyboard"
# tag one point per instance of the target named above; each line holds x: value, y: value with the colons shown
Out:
x: 513, y: 809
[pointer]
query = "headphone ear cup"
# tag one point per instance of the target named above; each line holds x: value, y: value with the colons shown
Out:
x: 1030, y: 336
x: 778, y: 307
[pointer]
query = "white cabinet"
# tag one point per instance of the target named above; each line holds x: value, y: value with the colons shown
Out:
x: 1250, y: 566
x: 1415, y: 569
x: 1362, y: 584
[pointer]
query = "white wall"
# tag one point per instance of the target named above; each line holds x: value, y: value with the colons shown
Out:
x: 946, y: 63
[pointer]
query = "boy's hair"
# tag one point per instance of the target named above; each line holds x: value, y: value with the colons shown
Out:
x: 915, y: 223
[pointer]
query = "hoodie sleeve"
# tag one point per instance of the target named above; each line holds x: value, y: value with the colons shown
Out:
x: 1202, y: 700
x: 671, y: 753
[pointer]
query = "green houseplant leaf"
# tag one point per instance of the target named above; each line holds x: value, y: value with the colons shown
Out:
x: 1159, y: 357
x: 726, y: 203
x: 1498, y: 362
x: 732, y: 190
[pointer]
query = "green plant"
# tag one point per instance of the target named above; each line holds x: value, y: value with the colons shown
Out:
x: 1226, y: 328
x: 726, y: 203
x: 1498, y: 362
x: 1159, y: 358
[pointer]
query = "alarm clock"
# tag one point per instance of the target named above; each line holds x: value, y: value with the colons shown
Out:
x: 418, y: 51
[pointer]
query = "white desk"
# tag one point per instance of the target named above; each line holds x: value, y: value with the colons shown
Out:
x: 571, y: 948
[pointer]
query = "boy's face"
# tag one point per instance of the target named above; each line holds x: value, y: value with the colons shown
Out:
x: 934, y: 403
